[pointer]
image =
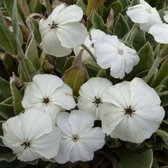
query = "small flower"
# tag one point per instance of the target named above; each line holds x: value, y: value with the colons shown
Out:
x: 92, y: 38
x: 160, y: 31
x: 135, y: 112
x: 113, y: 54
x: 79, y: 140
x: 144, y: 14
x: 61, y: 31
x: 92, y: 94
x: 49, y: 94
x: 31, y: 136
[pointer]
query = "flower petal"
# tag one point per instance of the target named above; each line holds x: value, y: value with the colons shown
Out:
x: 48, y: 145
x: 63, y: 97
x: 160, y: 32
x: 72, y: 13
x: 52, y: 45
x: 137, y: 14
x: 80, y: 121
x: 35, y: 123
x: 71, y: 34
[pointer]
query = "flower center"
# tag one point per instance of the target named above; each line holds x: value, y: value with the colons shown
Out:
x: 120, y: 51
x: 92, y: 45
x: 53, y: 25
x: 26, y: 144
x: 75, y: 138
x: 129, y: 111
x: 46, y: 100
x: 97, y: 101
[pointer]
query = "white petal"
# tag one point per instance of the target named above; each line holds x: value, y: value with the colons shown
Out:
x: 63, y: 97
x: 63, y: 124
x: 142, y: 95
x: 93, y: 139
x: 80, y: 121
x: 83, y: 152
x: 137, y: 14
x: 48, y: 145
x: 160, y: 32
x: 128, y: 130
x: 28, y: 155
x: 52, y: 45
x: 71, y: 34
x: 94, y: 87
x: 35, y: 123
x: 151, y: 114
x: 12, y: 133
x: 119, y: 95
x: 47, y: 83
x: 110, y: 118
x: 55, y: 13
x: 72, y: 13
x: 64, y: 152
x: 96, y: 35
x: 153, y: 18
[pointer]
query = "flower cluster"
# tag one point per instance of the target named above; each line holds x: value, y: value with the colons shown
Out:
x: 57, y: 126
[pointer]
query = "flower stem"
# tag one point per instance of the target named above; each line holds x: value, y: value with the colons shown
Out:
x: 87, y: 49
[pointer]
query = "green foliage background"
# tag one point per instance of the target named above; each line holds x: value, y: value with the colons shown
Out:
x: 21, y: 54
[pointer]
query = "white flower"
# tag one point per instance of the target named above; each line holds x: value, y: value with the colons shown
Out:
x: 92, y: 94
x: 61, y: 31
x: 144, y: 14
x: 113, y: 54
x: 31, y: 135
x: 92, y: 38
x: 49, y: 94
x: 79, y: 140
x: 135, y: 112
x: 160, y: 31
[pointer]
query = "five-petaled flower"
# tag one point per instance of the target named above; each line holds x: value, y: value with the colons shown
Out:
x: 135, y: 112
x: 48, y: 93
x: 61, y: 31
x: 111, y: 53
x: 80, y: 140
x: 31, y: 135
x: 92, y: 94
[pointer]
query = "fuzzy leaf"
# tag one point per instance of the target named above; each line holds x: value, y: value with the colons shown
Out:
x: 35, y: 6
x: 30, y: 68
x: 32, y: 53
x: 6, y: 111
x: 121, y: 27
x: 76, y: 75
x: 164, y: 135
x: 98, y: 22
x: 162, y: 73
x: 5, y: 88
x: 117, y: 7
x: 16, y: 28
x: 146, y: 60
x: 138, y: 160
x: 16, y: 96
x: 7, y: 42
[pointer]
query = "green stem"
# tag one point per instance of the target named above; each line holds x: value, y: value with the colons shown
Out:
x: 87, y: 49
